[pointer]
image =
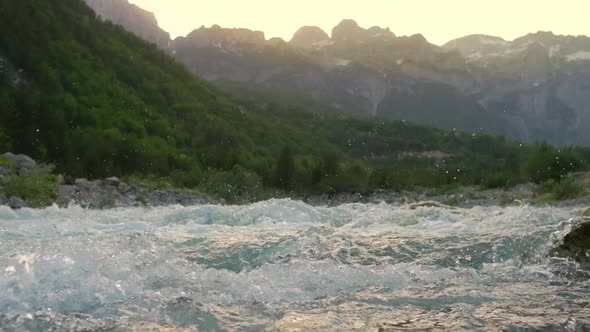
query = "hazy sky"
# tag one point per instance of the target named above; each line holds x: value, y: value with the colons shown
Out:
x: 439, y: 20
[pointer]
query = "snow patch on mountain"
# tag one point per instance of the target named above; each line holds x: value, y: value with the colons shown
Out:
x: 341, y: 62
x: 578, y: 56
x: 321, y: 44
x: 554, y: 50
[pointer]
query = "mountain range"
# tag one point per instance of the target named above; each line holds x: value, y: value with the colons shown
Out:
x: 96, y: 101
x: 534, y: 88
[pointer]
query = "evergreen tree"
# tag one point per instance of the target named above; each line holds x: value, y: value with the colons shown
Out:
x: 285, y: 168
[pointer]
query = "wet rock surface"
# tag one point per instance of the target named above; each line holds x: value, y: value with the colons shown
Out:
x: 16, y: 203
x: 576, y: 244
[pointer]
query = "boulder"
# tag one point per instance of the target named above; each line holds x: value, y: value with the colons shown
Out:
x: 16, y: 203
x: 113, y: 181
x: 3, y: 172
x: 68, y: 180
x: 126, y: 189
x: 21, y: 160
x: 82, y: 183
x: 576, y: 245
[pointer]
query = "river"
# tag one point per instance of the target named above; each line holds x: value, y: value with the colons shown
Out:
x: 284, y: 265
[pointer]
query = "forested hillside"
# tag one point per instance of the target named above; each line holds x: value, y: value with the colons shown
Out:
x: 98, y: 101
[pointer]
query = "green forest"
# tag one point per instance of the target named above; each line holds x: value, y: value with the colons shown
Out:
x: 97, y: 101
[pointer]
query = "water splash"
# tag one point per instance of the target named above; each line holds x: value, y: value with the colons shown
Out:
x: 281, y: 264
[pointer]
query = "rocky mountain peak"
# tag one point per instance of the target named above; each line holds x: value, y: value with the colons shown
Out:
x: 309, y: 36
x: 216, y: 35
x: 379, y: 32
x: 473, y: 42
x: 136, y: 20
x: 345, y: 30
x: 477, y: 46
x: 349, y: 31
x: 545, y: 38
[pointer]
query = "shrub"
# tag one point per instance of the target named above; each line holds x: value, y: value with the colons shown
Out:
x: 546, y: 163
x: 236, y: 186
x: 568, y: 188
x: 188, y: 179
x: 37, y: 188
x: 498, y: 180
x: 6, y: 163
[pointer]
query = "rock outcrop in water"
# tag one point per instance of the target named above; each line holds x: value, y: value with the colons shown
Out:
x: 576, y: 244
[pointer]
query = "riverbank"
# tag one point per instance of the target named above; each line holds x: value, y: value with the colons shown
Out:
x: 25, y: 183
x: 466, y: 196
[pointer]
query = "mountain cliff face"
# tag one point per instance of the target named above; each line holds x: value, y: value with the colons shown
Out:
x: 356, y: 70
x: 534, y: 88
x: 136, y: 20
x: 538, y: 83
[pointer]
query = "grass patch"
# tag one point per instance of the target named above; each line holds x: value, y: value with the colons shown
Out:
x: 37, y: 188
x: 6, y: 163
x: 568, y: 188
x: 447, y: 189
x: 149, y: 182
x: 453, y: 201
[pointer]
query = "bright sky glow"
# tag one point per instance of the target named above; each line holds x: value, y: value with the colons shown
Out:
x: 438, y: 20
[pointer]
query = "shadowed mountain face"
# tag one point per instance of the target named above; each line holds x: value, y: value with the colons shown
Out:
x: 534, y: 88
x: 136, y: 20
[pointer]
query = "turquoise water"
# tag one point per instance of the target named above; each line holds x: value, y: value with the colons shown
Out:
x: 284, y: 265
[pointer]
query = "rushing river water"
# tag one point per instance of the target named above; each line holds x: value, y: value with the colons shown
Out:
x: 284, y: 265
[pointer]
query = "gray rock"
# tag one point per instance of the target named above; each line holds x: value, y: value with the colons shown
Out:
x: 126, y: 189
x: 81, y: 182
x: 17, y: 203
x: 113, y: 181
x: 3, y: 172
x: 21, y: 160
x: 586, y: 213
x: 86, y: 185
x: 68, y: 180
x: 163, y: 197
x: 576, y: 245
x: 66, y: 194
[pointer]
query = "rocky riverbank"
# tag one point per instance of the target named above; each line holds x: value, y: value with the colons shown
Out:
x: 463, y: 197
x: 24, y: 183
